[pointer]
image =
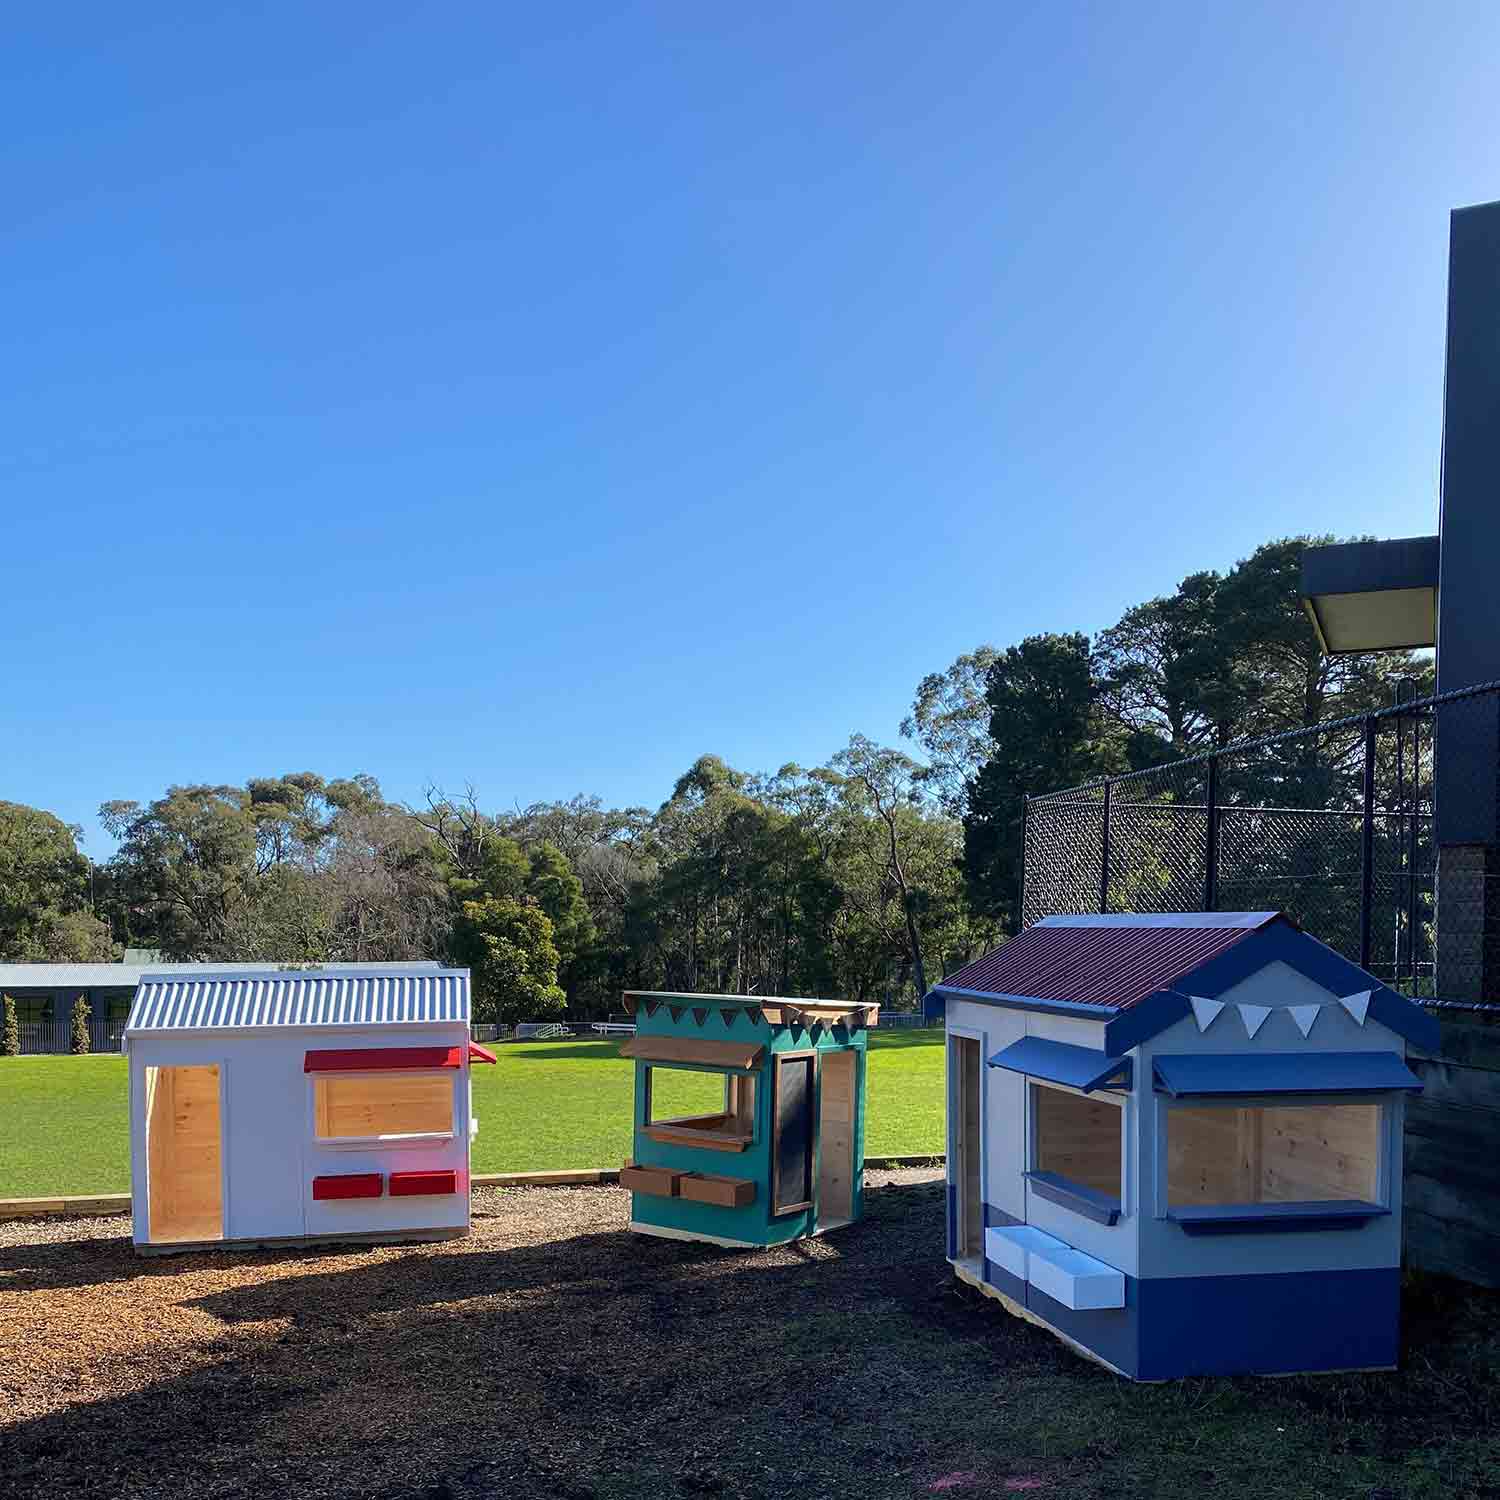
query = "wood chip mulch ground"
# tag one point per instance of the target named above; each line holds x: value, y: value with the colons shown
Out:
x: 545, y: 1352
x: 554, y: 1354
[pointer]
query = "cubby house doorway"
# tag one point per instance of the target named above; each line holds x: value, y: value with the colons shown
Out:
x: 184, y: 1154
x: 965, y: 1064
x: 838, y: 1105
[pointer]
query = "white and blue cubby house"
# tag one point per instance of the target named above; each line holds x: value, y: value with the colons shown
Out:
x: 1175, y: 1141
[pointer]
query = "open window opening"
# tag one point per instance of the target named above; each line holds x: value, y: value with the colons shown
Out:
x: 1076, y: 1150
x: 700, y: 1107
x: 184, y: 1182
x: 375, y: 1108
x: 1255, y: 1160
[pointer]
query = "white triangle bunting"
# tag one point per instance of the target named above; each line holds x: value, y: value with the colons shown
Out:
x: 1358, y: 1006
x: 1254, y: 1017
x: 1205, y: 1011
x: 1304, y: 1016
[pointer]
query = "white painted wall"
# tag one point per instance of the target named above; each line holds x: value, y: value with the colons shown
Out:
x: 1004, y: 1124
x: 270, y: 1157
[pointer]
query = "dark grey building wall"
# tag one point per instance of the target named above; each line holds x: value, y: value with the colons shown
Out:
x: 1467, y: 772
x: 1469, y: 580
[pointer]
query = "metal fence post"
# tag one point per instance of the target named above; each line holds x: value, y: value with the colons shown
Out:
x: 1104, y: 852
x: 1025, y: 860
x: 1367, y: 850
x: 1211, y: 838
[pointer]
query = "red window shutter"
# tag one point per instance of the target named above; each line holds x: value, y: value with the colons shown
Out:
x: 422, y: 1184
x: 381, y: 1059
x: 348, y: 1185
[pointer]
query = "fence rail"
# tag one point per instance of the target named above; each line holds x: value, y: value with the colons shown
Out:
x: 1378, y: 832
x: 56, y: 1035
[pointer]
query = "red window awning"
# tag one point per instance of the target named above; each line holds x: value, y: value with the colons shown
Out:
x: 481, y: 1054
x: 381, y: 1059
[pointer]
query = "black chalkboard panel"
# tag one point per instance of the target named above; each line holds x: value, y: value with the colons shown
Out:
x: 792, y: 1146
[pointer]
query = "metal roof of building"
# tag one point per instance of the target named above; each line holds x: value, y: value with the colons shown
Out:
x: 1113, y: 960
x: 232, y: 1000
x: 127, y: 975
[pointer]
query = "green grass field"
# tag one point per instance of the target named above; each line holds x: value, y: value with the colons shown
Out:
x: 63, y: 1126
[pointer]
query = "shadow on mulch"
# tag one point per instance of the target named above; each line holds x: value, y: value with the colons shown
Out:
x: 569, y: 1365
x: 606, y: 1366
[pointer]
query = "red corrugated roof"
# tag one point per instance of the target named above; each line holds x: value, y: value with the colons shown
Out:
x: 1114, y: 961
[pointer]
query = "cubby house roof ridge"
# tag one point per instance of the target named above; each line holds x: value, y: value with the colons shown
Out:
x: 380, y: 995
x: 778, y: 1010
x: 1110, y: 961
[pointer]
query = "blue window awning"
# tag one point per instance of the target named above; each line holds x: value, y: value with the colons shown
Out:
x: 1083, y: 1068
x: 1189, y: 1076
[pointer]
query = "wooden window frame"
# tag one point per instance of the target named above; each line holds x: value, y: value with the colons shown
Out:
x: 778, y: 1208
x: 408, y: 1140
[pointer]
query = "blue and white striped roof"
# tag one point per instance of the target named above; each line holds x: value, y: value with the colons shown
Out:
x: 278, y: 998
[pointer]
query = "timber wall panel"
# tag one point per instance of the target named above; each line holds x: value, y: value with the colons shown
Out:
x: 1452, y: 1219
x: 1078, y: 1138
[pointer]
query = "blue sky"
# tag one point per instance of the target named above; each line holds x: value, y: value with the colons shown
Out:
x: 542, y: 396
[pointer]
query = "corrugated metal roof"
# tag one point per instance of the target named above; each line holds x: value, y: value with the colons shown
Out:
x: 128, y: 975
x: 229, y: 1000
x: 1112, y: 961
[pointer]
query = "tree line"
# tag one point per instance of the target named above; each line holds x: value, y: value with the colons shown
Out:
x: 865, y: 878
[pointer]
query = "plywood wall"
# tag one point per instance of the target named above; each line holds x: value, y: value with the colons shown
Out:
x: 362, y: 1106
x: 1303, y: 1153
x: 184, y: 1154
x: 1078, y: 1138
x: 836, y: 1137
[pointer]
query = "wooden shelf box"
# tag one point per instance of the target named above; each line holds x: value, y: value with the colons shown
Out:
x: 710, y: 1187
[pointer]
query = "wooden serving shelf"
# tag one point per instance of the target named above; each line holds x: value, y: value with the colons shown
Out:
x: 659, y: 1182
x: 723, y: 1192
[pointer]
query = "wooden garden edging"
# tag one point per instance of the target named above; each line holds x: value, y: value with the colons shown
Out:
x: 101, y: 1205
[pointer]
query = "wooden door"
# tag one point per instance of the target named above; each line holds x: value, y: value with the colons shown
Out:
x: 966, y: 1145
x: 837, y: 1111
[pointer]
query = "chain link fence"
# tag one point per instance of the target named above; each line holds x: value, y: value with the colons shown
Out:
x: 1379, y: 834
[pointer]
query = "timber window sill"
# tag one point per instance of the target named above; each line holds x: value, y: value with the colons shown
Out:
x: 383, y: 1142
x: 708, y: 1132
x: 1275, y: 1218
x: 1089, y: 1202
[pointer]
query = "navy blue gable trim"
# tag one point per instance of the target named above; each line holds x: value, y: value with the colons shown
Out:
x: 1144, y: 1020
x: 1278, y: 940
x: 1418, y: 1026
x: 1082, y: 1068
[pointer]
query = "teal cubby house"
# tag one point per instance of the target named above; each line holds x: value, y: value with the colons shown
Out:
x: 749, y: 1116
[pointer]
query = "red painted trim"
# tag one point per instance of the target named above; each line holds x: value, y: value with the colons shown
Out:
x: 481, y: 1054
x: 381, y: 1059
x: 422, y: 1184
x: 348, y: 1185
